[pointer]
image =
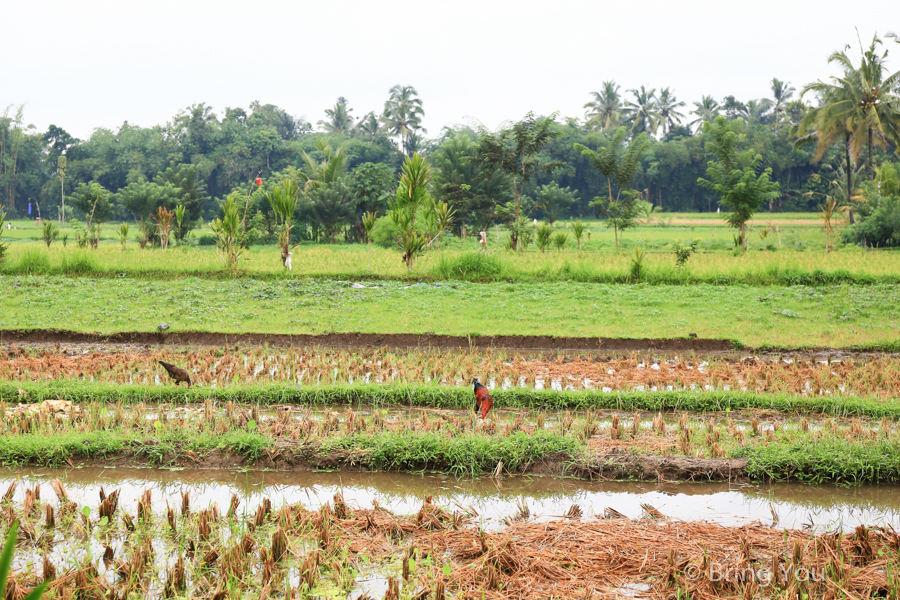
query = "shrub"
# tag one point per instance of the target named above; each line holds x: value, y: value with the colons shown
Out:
x: 51, y: 232
x: 33, y: 262
x: 472, y: 266
x: 79, y: 263
x: 559, y: 239
x: 543, y: 236
x: 881, y: 228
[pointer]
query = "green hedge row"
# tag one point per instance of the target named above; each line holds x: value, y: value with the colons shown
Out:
x: 450, y: 397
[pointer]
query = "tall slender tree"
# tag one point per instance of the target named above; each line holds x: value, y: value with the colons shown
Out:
x: 338, y: 119
x: 667, y: 107
x: 619, y: 164
x: 513, y: 150
x: 605, y: 110
x: 864, y: 98
x: 782, y: 92
x: 402, y: 116
x: 642, y: 113
x: 706, y: 111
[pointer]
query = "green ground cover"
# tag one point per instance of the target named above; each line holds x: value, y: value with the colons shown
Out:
x: 450, y: 397
x: 777, y: 447
x: 835, y: 316
x: 359, y: 263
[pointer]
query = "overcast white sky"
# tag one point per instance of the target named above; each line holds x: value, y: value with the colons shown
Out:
x: 97, y: 63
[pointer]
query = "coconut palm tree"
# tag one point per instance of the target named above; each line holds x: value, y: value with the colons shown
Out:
x: 403, y: 114
x: 323, y: 172
x: 667, y: 106
x: 368, y: 126
x: 782, y: 93
x: 706, y: 111
x: 605, y: 110
x: 642, y: 113
x: 758, y: 110
x: 863, y: 98
x: 824, y: 126
x: 339, y: 119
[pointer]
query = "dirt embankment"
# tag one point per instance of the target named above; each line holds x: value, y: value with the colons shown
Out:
x: 309, y: 456
x: 369, y: 340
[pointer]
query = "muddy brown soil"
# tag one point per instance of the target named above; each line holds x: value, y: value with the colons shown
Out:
x: 369, y: 340
x: 287, y: 456
x: 523, y: 343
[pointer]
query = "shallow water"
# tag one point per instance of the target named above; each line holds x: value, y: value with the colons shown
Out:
x: 796, y: 505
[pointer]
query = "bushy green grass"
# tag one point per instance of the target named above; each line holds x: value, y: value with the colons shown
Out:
x: 55, y: 450
x: 788, y: 266
x: 778, y: 316
x: 451, y: 397
x: 823, y: 461
x: 469, y: 454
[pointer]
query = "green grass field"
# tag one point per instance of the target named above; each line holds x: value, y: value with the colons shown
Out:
x: 356, y: 261
x: 774, y: 315
x: 784, y: 231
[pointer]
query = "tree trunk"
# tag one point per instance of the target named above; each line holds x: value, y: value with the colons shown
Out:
x: 62, y: 194
x: 871, y: 170
x: 849, y: 178
x: 743, y: 237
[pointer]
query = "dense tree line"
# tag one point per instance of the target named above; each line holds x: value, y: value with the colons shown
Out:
x: 825, y: 142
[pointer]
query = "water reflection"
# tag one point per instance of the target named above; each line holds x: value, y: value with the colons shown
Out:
x: 795, y: 505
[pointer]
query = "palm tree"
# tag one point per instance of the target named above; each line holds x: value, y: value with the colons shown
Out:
x: 667, y: 107
x: 339, y: 119
x: 824, y: 126
x: 606, y: 108
x: 403, y: 114
x: 368, y: 126
x: 642, y: 112
x: 864, y: 99
x: 706, y: 110
x: 782, y: 93
x: 757, y: 110
x: 324, y: 172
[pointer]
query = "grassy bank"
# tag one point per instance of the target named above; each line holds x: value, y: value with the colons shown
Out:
x: 831, y: 316
x: 357, y: 262
x: 620, y: 441
x: 823, y: 460
x: 447, y: 397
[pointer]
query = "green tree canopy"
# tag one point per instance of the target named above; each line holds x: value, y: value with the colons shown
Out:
x: 734, y: 177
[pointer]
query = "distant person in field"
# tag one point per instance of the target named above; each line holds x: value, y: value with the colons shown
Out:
x: 483, y: 241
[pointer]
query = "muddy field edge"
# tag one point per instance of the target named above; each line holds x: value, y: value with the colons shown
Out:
x: 426, y: 341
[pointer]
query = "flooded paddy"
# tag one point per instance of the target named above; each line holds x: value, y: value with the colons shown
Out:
x: 784, y: 505
x: 220, y: 534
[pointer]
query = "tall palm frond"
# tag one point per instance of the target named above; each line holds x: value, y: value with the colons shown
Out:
x: 403, y: 114
x: 667, y: 106
x: 642, y: 113
x: 706, y: 111
x: 605, y: 111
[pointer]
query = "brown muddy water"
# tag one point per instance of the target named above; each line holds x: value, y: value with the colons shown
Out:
x: 788, y: 505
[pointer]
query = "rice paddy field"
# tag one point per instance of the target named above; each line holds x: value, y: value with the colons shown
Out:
x: 758, y: 457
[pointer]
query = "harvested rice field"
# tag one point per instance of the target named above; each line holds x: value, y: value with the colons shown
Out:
x: 123, y: 533
x: 321, y: 472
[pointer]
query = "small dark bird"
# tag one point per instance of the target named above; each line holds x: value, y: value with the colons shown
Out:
x: 177, y: 373
x: 483, y: 400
